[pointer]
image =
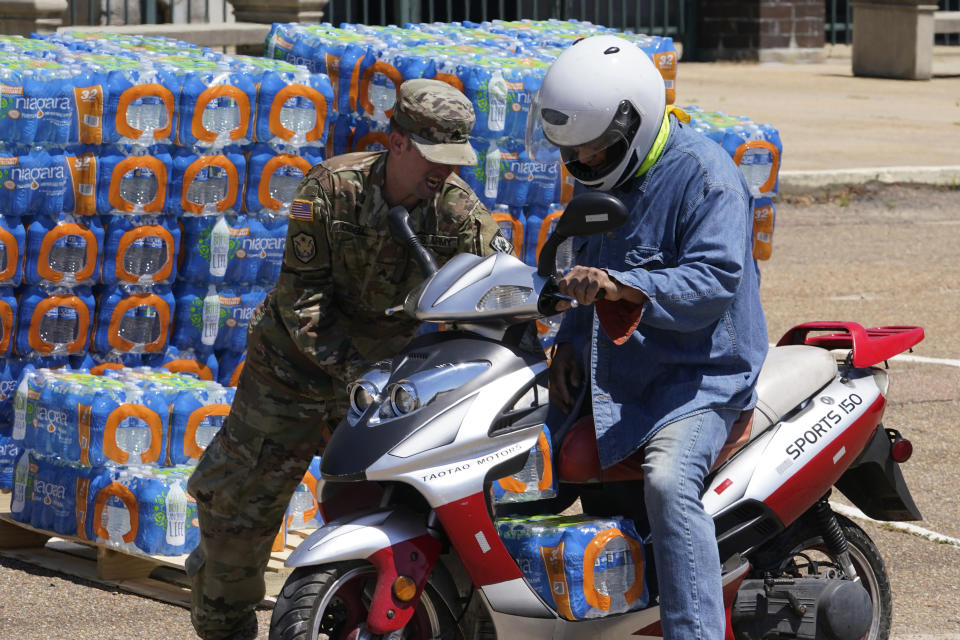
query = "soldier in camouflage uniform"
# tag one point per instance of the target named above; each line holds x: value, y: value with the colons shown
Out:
x: 321, y: 327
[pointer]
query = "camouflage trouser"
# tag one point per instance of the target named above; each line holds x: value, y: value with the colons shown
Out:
x: 242, y: 485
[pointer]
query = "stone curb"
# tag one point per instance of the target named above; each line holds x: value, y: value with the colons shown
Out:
x: 801, y: 182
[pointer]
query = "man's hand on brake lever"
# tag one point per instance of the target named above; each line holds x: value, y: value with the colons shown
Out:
x: 586, y: 285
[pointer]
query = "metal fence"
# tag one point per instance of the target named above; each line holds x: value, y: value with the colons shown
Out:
x: 656, y: 17
x: 120, y: 12
x: 838, y: 23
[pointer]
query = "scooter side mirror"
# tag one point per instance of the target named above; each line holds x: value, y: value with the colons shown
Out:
x: 589, y: 213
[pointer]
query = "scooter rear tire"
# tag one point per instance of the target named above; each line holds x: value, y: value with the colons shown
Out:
x: 869, y: 564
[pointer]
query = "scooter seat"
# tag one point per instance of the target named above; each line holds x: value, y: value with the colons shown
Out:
x: 790, y: 375
x: 578, y: 461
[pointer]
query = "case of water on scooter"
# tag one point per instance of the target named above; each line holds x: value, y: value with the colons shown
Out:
x: 583, y: 567
x: 536, y: 481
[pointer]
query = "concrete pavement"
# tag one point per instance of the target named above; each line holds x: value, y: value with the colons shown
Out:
x: 837, y: 128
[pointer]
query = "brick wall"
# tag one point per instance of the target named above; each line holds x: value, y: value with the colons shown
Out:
x: 745, y: 29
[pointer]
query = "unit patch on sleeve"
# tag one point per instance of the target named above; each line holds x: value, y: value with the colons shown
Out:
x: 500, y: 243
x: 304, y: 247
x: 301, y: 210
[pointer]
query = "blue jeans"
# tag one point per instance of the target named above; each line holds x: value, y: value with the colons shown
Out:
x: 677, y: 459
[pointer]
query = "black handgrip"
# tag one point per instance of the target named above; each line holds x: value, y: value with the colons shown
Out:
x: 548, y: 301
x: 399, y: 221
x: 601, y: 294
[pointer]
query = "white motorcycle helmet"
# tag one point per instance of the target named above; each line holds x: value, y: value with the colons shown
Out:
x: 601, y: 105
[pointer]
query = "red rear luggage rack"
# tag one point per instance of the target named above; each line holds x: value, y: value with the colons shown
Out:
x: 868, y: 346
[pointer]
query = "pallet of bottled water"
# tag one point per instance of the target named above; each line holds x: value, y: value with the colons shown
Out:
x: 583, y: 567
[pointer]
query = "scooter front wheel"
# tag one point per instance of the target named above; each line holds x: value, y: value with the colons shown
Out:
x: 330, y: 602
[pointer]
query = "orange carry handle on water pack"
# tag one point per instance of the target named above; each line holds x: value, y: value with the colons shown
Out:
x: 183, y: 365
x: 292, y: 91
x: 190, y: 447
x: 271, y: 166
x: 771, y: 180
x: 122, y: 493
x: 387, y: 69
x: 137, y: 300
x: 159, y: 170
x: 138, y: 233
x: 545, y: 481
x: 7, y: 326
x: 61, y: 230
x: 233, y: 183
x: 203, y: 134
x: 12, y: 252
x: 139, y: 91
x: 38, y: 344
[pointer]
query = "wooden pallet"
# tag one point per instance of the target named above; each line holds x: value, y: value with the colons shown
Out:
x: 159, y: 577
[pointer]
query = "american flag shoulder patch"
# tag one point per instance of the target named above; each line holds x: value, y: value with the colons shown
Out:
x: 301, y: 210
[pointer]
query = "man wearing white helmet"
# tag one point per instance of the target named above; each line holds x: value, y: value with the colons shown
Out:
x: 672, y: 351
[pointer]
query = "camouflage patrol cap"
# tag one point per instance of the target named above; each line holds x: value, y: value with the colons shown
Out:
x: 438, y: 118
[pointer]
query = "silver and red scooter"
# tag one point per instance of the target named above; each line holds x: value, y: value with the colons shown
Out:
x: 410, y: 548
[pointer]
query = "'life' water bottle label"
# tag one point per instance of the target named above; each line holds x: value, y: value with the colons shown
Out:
x: 219, y: 248
x: 211, y: 319
x: 176, y: 516
x: 20, y: 411
x: 497, y: 97
x: 492, y: 183
x: 20, y: 484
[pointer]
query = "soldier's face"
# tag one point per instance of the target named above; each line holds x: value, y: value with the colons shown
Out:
x: 419, y: 176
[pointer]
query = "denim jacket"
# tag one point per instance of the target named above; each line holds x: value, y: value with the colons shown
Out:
x: 702, y: 337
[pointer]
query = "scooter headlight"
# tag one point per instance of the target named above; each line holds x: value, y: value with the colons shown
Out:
x: 504, y: 297
x: 366, y: 391
x: 363, y: 393
x: 404, y: 398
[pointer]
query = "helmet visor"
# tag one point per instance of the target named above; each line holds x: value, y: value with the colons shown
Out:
x: 587, y: 161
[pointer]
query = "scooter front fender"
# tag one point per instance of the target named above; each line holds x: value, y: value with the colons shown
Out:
x: 395, y: 541
x: 357, y: 537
